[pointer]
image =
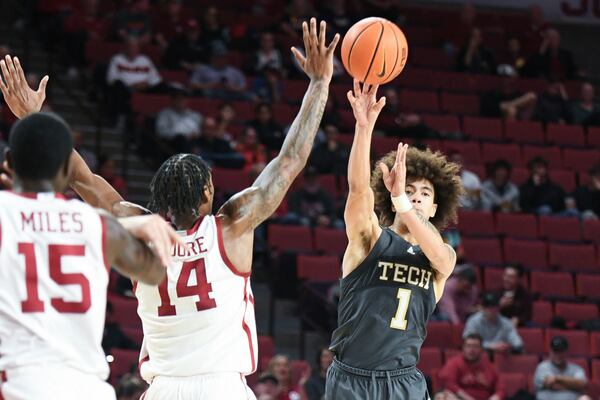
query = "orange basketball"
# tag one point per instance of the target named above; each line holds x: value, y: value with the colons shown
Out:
x: 374, y: 50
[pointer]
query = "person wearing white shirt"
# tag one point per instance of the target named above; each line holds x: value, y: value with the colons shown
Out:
x: 471, y: 199
x: 178, y: 125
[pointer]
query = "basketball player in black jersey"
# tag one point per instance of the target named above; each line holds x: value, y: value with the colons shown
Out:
x: 395, y: 265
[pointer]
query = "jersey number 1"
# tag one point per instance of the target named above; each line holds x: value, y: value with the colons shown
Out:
x: 399, y: 321
x: 202, y: 289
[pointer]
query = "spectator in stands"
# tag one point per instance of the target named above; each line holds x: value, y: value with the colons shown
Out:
x: 460, y: 295
x: 131, y: 387
x: 514, y: 55
x: 128, y: 72
x: 214, y: 34
x: 508, y: 102
x: 558, y: 379
x: 267, y: 55
x: 280, y: 367
x: 187, y: 49
x: 133, y: 20
x: 539, y: 194
x: 268, y: 87
x: 215, y: 148
x: 269, y: 132
x: 515, y: 300
x: 106, y: 169
x: 296, y: 12
x: 224, y: 121
x: 498, y: 193
x: 219, y: 79
x: 267, y: 387
x: 113, y: 337
x: 392, y: 102
x: 169, y: 21
x: 311, y: 205
x: 498, y: 332
x: 471, y: 198
x: 314, y: 388
x: 253, y: 152
x: 587, y: 197
x: 471, y: 375
x: 586, y: 108
x: 88, y: 156
x: 552, y: 61
x: 338, y: 15
x: 537, y: 27
x: 331, y: 156
x: 553, y: 104
x: 474, y: 57
x: 178, y: 126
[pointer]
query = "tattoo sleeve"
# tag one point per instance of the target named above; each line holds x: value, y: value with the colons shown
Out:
x: 252, y: 206
x: 428, y: 224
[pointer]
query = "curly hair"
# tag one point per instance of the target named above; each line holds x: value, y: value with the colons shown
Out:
x: 421, y: 164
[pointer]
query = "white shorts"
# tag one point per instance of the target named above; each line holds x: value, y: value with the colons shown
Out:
x: 53, y: 382
x: 217, y: 386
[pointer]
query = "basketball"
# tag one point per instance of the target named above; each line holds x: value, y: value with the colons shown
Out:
x: 374, y: 50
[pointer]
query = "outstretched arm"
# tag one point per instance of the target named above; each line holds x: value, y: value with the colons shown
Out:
x: 247, y: 209
x: 362, y: 226
x: 441, y: 255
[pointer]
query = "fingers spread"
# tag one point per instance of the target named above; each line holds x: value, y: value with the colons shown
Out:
x: 305, y: 37
x: 351, y: 97
x: 6, y: 74
x: 314, y: 42
x: 299, y: 57
x: 43, y: 84
x: 380, y: 104
x: 333, y: 43
x: 384, y: 170
x: 322, y: 35
x: 357, y: 90
x: 19, y: 70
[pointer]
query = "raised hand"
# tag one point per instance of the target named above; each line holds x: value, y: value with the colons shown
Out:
x: 19, y: 97
x: 318, y: 62
x: 395, y: 180
x: 364, y: 103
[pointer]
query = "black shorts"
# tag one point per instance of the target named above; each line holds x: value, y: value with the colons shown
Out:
x: 348, y: 383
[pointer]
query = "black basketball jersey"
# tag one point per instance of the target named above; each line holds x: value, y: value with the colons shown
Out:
x: 384, y: 307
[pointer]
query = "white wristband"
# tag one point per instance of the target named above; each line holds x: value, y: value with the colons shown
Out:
x: 401, y: 203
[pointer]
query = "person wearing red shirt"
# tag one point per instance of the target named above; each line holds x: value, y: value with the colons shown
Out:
x: 470, y: 375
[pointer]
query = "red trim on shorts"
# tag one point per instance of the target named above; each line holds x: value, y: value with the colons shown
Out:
x: 104, y: 248
x: 142, y: 397
x: 134, y: 285
x: 224, y: 254
x: 194, y: 227
x: 3, y: 376
x: 142, y: 361
x: 246, y: 329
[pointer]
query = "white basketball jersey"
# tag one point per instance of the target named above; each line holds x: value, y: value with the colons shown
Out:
x: 53, y: 281
x: 201, y: 318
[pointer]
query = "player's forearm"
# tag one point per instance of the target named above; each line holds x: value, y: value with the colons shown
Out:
x: 441, y: 256
x: 359, y: 163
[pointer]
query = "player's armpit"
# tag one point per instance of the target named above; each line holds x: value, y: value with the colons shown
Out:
x: 131, y: 256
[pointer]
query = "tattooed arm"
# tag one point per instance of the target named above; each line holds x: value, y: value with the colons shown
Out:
x: 247, y: 209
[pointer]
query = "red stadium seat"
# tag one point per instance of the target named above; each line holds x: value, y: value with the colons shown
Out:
x: 125, y: 311
x: 483, y: 251
x: 576, y: 312
x: 573, y: 257
x: 560, y: 229
x: 299, y: 369
x: 449, y: 353
x: 148, y: 104
x: 437, y: 335
x: 591, y: 230
x: 492, y: 278
x: 593, y: 136
x: 595, y: 344
x: 510, y: 152
x: 533, y: 339
x: 550, y: 154
x: 318, y: 268
x: 383, y: 144
x: 593, y: 389
x: 520, y: 175
x: 230, y: 180
x: 552, y: 284
x: 419, y: 78
x: 595, y: 363
x: 580, y: 160
x: 476, y: 223
x: 442, y: 123
x: 582, y: 362
x: 330, y: 241
x: 430, y: 57
x: 419, y: 35
x: 565, y: 135
x: 522, y: 226
x: 483, y: 128
x: 587, y: 286
x: 288, y: 237
x: 464, y: 104
x: 520, y: 363
x: 430, y: 358
x: 524, y: 131
x: 283, y: 114
x: 419, y: 101
x: 533, y: 254
x: 513, y: 382
x: 178, y: 76
x: 293, y: 90
x: 469, y: 150
x: 542, y: 313
x: 135, y: 334
x: 124, y: 361
x: 266, y: 346
x: 457, y: 335
x: 563, y: 178
x: 579, y: 341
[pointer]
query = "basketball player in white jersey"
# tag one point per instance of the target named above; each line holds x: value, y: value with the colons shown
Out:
x: 55, y: 257
x: 199, y: 327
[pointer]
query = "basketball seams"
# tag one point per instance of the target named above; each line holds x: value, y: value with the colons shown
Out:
x: 348, y: 63
x: 375, y: 52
